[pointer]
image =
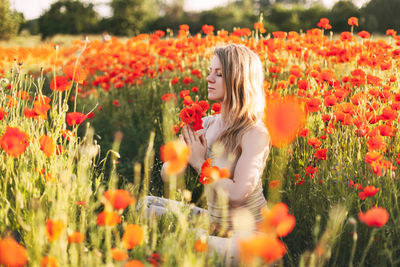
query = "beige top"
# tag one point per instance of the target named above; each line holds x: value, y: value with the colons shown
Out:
x: 244, y: 189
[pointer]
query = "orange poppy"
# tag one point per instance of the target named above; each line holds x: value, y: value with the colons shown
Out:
x: 108, y: 218
x: 210, y: 173
x: 314, y: 142
x: 372, y: 156
x: 176, y: 154
x: 376, y: 143
x: 369, y: 191
x: 268, y: 248
x: 49, y: 261
x: 284, y: 129
x: 353, y: 21
x: 119, y: 254
x: 41, y: 106
x: 133, y: 236
x: 76, y: 237
x: 14, y: 141
x: 47, y: 145
x: 2, y: 114
x: 324, y: 23
x: 277, y: 220
x: 134, y: 263
x: 54, y: 229
x: 374, y: 217
x: 119, y: 198
x: 200, y: 246
x: 12, y: 253
x: 274, y: 184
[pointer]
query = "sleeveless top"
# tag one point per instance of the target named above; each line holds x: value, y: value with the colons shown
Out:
x: 221, y: 212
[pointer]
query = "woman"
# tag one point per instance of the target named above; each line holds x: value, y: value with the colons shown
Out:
x: 236, y: 81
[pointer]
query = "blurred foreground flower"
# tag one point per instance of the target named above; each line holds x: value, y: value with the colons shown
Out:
x: 133, y: 236
x: 276, y: 222
x: 108, y: 218
x: 176, y: 154
x: 11, y: 253
x: 119, y: 198
x: 14, y: 141
x: 284, y: 118
x: 54, y: 229
x: 210, y: 173
x: 374, y: 217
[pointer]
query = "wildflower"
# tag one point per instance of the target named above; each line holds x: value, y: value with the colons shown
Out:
x: 369, y: 191
x: 134, y: 263
x: 46, y: 145
x: 76, y: 237
x: 14, y: 141
x: 374, y: 217
x: 321, y: 154
x: 277, y: 220
x: 200, y: 246
x: 195, y: 89
x: 324, y: 23
x: 54, y: 229
x: 268, y: 248
x: 75, y: 73
x: 2, y: 114
x: 283, y: 130
x: 310, y: 170
x: 119, y: 254
x: 274, y: 184
x: 372, y: 156
x: 208, y: 29
x: 391, y: 32
x: 376, y: 143
x: 154, y: 259
x: 60, y: 83
x: 133, y: 236
x: 12, y: 253
x: 259, y: 26
x: 108, y: 218
x: 48, y: 261
x: 176, y: 154
x: 304, y: 132
x: 41, y: 106
x: 169, y: 96
x: 119, y: 199
x: 116, y: 103
x: 74, y: 118
x: 210, y: 173
x: 353, y: 21
x: 67, y: 134
x: 314, y: 142
x: 313, y: 105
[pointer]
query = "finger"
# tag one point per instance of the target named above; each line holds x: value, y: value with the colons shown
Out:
x: 203, y: 140
x: 189, y: 134
x: 182, y: 138
x: 185, y: 134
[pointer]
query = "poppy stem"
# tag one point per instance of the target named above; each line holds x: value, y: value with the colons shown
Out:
x: 371, y: 238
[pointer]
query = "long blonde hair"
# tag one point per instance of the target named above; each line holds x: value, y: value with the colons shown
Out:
x: 244, y: 101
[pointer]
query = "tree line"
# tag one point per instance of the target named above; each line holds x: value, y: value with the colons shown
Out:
x: 130, y: 17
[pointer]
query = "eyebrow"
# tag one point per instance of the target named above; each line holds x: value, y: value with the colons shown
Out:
x: 215, y: 68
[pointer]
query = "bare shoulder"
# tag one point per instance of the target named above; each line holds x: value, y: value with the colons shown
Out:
x: 256, y: 138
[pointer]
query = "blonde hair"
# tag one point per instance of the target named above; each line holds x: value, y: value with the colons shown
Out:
x: 244, y: 101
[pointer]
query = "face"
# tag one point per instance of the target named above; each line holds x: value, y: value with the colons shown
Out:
x: 216, y: 91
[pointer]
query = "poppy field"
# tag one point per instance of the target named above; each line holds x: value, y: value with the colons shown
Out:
x: 85, y: 128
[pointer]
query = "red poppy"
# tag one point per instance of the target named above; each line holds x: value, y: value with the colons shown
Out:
x: 168, y: 97
x: 376, y: 143
x: 321, y: 154
x: 200, y: 246
x: 2, y: 114
x: 277, y: 220
x: 210, y: 173
x: 324, y: 23
x: 369, y: 191
x: 314, y: 142
x: 374, y: 217
x: 75, y: 73
x: 14, y: 141
x: 266, y: 247
x: 353, y: 21
x: 208, y: 29
x: 60, y: 83
x: 74, y: 118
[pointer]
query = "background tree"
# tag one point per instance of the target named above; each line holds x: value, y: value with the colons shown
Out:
x: 340, y: 13
x: 132, y: 16
x: 380, y: 15
x: 69, y: 17
x: 10, y: 20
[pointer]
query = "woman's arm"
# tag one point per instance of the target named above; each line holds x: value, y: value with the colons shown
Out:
x: 255, y: 149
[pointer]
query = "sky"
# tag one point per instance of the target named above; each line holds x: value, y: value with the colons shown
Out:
x: 34, y: 8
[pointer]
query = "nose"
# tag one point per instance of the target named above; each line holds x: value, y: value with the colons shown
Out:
x: 210, y: 79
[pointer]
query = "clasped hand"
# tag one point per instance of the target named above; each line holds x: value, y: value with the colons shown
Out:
x: 197, y: 144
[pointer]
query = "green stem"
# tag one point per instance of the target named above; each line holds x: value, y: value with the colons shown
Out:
x: 371, y: 238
